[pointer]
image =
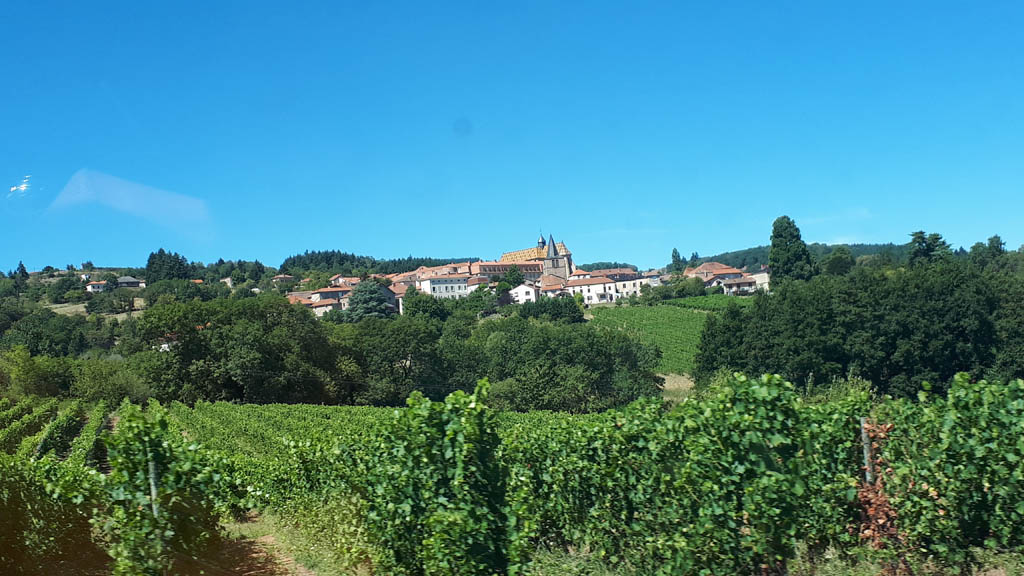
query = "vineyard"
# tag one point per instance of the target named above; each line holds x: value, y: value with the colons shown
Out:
x: 710, y: 303
x: 675, y: 331
x: 731, y: 482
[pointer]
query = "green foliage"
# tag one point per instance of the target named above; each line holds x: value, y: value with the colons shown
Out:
x: 44, y: 332
x: 82, y: 449
x: 436, y: 490
x: 710, y: 303
x: 839, y: 262
x: 109, y: 380
x: 895, y: 329
x: 367, y: 300
x: 259, y: 349
x: 40, y: 534
x: 346, y: 264
x: 604, y: 266
x: 552, y: 309
x: 927, y: 248
x: 514, y: 277
x: 675, y: 331
x: 189, y: 485
x: 677, y: 264
x: 417, y: 303
x: 60, y: 431
x: 570, y: 367
x: 723, y: 485
x: 163, y: 265
x: 956, y: 468
x: 754, y: 258
x: 789, y: 258
x: 29, y: 424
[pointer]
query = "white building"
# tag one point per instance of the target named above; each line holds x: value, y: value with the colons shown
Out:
x: 448, y: 286
x: 594, y: 290
x: 627, y: 288
x: 94, y: 287
x: 740, y: 286
x: 525, y: 292
x: 762, y: 279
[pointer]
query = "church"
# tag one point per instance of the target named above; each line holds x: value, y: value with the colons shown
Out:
x: 555, y: 258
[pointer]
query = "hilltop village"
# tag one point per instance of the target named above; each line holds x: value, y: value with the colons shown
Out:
x: 544, y: 270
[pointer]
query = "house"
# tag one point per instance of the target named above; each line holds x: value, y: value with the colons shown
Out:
x: 579, y: 274
x: 525, y: 292
x: 199, y: 281
x: 616, y: 273
x: 399, y: 291
x: 339, y: 280
x: 596, y: 290
x: 713, y: 273
x: 739, y: 286
x: 448, y: 286
x: 763, y: 278
x: 299, y: 297
x: 630, y: 287
x: 322, y: 307
x: 330, y: 293
x: 129, y: 282
x: 94, y: 287
x: 282, y: 278
x: 228, y: 281
x: 85, y: 277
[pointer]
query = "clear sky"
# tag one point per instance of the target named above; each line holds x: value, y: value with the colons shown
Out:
x: 261, y: 129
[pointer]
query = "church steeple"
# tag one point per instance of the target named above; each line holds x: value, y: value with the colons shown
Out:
x: 540, y: 241
x: 552, y: 249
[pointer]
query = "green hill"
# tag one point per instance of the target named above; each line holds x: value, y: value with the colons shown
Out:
x: 758, y: 255
x: 676, y: 331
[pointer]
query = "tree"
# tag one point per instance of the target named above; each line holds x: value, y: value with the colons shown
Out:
x: 789, y: 258
x: 418, y: 303
x: 163, y: 265
x: 927, y: 248
x: 514, y: 276
x: 694, y: 258
x: 21, y: 273
x: 677, y: 264
x: 367, y: 301
x: 839, y: 262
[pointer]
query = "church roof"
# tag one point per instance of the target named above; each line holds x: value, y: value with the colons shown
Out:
x: 535, y: 253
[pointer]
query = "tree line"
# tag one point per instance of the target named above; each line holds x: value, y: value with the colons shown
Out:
x: 897, y: 326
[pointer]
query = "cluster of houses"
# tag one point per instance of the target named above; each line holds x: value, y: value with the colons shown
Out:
x: 547, y: 269
x: 733, y: 281
x: 122, y: 282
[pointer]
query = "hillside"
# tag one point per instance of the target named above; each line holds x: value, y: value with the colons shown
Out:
x: 758, y: 255
x: 674, y: 330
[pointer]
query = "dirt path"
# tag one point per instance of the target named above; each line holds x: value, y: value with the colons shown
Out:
x: 677, y: 386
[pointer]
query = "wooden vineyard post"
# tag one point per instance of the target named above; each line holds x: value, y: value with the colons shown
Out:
x: 865, y: 440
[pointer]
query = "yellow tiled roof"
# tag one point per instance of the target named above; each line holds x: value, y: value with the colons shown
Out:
x: 535, y: 253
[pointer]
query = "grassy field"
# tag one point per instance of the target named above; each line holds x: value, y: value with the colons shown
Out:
x: 676, y: 331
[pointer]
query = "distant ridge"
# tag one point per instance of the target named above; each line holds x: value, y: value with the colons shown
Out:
x: 758, y: 255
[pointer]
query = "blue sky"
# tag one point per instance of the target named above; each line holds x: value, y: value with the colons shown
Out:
x: 258, y: 129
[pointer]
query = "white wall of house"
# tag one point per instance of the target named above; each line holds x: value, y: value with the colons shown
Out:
x: 762, y: 279
x: 524, y: 293
x: 596, y: 293
x: 94, y: 288
x: 445, y: 286
x: 627, y: 288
